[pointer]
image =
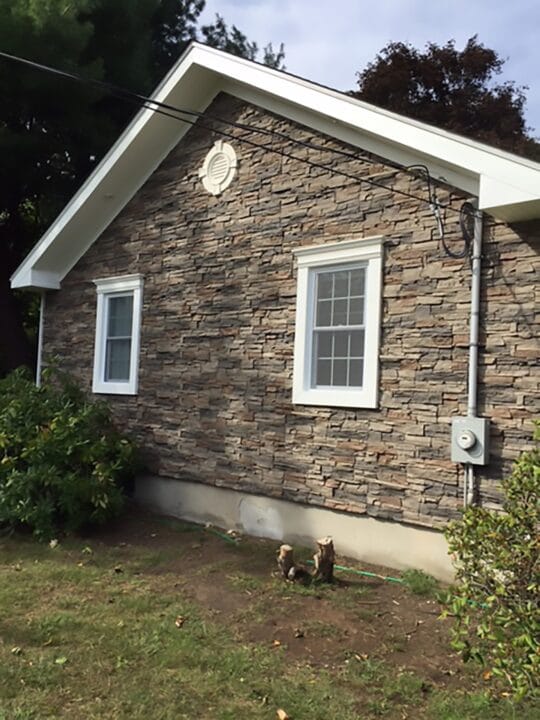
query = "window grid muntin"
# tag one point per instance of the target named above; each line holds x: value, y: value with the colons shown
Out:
x: 317, y: 329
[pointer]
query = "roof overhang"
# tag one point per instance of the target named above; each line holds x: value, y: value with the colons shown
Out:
x: 507, y: 186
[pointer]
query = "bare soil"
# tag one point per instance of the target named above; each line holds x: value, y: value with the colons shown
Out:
x: 237, y: 583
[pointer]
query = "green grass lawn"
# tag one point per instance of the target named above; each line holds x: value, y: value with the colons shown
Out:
x: 104, y: 629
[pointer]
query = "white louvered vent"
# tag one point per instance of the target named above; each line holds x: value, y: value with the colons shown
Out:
x: 219, y: 168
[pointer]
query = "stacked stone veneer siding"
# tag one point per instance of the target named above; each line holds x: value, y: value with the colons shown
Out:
x: 214, y: 402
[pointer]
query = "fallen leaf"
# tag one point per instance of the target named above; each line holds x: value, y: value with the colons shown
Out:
x: 282, y: 715
x: 487, y: 674
x: 62, y: 660
x: 53, y: 544
x: 16, y: 650
x: 298, y: 633
x: 179, y: 621
x: 118, y: 569
x: 276, y: 643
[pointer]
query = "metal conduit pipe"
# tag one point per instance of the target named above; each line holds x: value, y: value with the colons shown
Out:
x: 39, y: 361
x: 474, y: 331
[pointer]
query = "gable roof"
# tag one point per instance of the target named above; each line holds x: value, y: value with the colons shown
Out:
x: 507, y: 186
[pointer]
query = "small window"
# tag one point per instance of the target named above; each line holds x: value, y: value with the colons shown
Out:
x: 337, y: 324
x: 116, y: 357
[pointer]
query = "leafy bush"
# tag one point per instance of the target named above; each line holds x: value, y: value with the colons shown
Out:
x: 62, y: 463
x: 496, y: 600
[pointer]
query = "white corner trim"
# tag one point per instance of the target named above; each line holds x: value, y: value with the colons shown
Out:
x: 106, y: 287
x: 368, y: 251
x: 219, y: 168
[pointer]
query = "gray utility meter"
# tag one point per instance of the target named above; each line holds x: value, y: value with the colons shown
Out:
x: 470, y: 440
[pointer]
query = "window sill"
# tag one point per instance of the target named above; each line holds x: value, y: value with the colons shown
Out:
x: 114, y: 389
x: 355, y: 399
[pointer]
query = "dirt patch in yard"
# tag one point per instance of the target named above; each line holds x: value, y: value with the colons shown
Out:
x: 352, y: 621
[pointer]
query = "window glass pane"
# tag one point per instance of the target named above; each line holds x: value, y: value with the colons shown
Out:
x: 120, y: 316
x: 356, y: 311
x: 341, y: 344
x: 357, y: 343
x: 339, y: 316
x: 339, y: 374
x: 117, y: 360
x: 341, y: 284
x: 356, y: 369
x: 324, y: 368
x: 324, y: 313
x: 338, y: 350
x: 324, y: 344
x: 324, y: 285
x: 357, y: 281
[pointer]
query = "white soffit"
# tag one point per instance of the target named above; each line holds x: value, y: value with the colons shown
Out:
x: 507, y: 186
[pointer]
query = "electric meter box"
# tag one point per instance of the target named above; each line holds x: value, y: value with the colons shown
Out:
x: 470, y: 440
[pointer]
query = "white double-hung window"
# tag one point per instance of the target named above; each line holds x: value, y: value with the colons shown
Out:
x: 336, y: 351
x: 118, y: 324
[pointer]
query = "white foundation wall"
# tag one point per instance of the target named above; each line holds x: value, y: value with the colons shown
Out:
x: 362, y: 538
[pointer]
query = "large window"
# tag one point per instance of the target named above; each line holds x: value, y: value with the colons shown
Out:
x: 118, y: 320
x: 337, y: 324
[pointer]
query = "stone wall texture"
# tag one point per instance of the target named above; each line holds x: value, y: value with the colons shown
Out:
x: 215, y: 382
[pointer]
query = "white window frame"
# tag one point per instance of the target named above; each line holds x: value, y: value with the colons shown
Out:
x: 105, y: 289
x: 330, y: 256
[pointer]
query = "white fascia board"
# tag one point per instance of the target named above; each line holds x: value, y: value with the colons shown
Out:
x: 199, y: 74
x: 452, y: 153
x: 144, y: 144
x: 400, y: 154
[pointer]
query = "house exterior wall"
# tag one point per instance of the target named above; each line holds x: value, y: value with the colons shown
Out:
x: 215, y: 384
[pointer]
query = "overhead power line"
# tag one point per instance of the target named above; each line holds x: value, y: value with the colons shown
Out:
x: 195, y: 117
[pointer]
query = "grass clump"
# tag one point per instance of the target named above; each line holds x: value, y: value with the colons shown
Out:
x: 420, y: 583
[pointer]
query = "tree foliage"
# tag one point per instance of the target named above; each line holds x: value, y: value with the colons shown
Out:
x: 53, y: 132
x: 234, y: 41
x: 495, y: 600
x: 62, y: 463
x: 452, y: 89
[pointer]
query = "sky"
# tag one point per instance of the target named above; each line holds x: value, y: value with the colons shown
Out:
x: 328, y: 41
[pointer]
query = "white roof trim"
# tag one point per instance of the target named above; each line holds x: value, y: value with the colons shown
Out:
x: 507, y: 186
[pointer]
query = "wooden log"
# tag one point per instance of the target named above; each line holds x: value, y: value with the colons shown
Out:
x: 285, y: 560
x: 324, y: 560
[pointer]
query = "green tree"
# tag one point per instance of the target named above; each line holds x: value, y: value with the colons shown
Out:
x: 234, y: 41
x: 453, y: 89
x: 53, y: 132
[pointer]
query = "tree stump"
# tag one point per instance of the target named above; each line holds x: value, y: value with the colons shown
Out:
x: 285, y: 560
x: 324, y: 560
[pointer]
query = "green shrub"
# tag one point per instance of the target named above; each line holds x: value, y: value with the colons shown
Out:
x: 496, y: 599
x: 62, y: 463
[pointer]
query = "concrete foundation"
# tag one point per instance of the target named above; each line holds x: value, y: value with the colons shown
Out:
x: 375, y: 541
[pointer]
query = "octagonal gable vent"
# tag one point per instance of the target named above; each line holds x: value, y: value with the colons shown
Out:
x: 219, y: 168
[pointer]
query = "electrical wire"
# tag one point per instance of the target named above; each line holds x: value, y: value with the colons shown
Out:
x: 174, y: 112
x: 466, y: 213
